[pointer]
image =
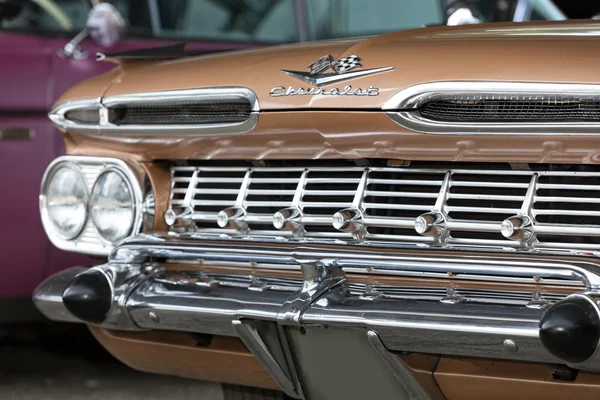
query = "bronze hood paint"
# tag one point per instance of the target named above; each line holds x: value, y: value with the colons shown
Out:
x: 351, y: 127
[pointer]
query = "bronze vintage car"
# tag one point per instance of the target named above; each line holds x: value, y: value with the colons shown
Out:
x: 414, y: 215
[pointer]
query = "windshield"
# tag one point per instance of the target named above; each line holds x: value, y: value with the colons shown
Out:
x: 269, y: 21
x: 344, y: 18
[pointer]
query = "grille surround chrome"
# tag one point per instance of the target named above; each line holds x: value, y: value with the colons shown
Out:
x: 403, y: 107
x: 384, y: 210
x: 105, y: 125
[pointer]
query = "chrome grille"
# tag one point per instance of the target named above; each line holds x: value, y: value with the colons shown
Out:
x: 512, y: 108
x: 563, y: 203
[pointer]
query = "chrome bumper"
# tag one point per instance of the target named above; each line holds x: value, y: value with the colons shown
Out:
x: 144, y: 299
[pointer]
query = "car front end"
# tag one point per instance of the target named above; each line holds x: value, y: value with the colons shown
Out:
x: 414, y: 214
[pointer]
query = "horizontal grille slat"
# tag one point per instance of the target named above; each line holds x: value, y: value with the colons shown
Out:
x: 400, y: 194
x: 333, y: 181
x: 567, y: 187
x: 556, y: 199
x: 483, y: 210
x: 396, y: 206
x: 329, y: 193
x: 266, y: 203
x: 566, y: 212
x: 490, y: 184
x: 404, y: 182
x: 484, y: 197
x: 477, y: 199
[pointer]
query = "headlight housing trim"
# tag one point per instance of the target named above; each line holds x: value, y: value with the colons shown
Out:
x: 89, y: 241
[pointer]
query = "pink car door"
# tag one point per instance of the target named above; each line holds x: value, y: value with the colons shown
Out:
x: 27, y: 145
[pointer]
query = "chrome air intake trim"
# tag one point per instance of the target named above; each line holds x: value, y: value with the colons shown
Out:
x: 206, y: 111
x: 153, y: 300
x: 59, y: 115
x: 497, y: 108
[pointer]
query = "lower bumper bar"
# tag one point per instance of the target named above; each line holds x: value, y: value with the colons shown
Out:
x: 144, y: 297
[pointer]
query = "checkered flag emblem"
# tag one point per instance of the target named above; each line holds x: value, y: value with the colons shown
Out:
x: 346, y: 64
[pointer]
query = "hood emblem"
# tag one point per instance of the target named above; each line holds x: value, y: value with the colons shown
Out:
x: 326, y: 71
x: 341, y: 70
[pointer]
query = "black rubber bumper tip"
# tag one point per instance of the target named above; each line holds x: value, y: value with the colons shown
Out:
x: 570, y: 329
x: 89, y: 296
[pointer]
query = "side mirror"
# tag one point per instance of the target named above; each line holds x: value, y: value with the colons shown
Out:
x: 104, y: 25
x: 461, y: 12
x: 462, y: 16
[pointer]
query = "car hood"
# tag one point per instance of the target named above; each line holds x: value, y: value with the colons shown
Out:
x: 529, y: 52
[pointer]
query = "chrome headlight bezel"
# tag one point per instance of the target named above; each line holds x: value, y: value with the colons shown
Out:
x: 49, y: 226
x: 89, y: 241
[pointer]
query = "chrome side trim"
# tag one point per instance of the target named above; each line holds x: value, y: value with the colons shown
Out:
x: 401, y: 108
x: 89, y: 241
x: 406, y: 379
x: 105, y: 127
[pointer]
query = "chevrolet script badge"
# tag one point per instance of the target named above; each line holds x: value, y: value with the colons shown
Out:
x: 340, y: 70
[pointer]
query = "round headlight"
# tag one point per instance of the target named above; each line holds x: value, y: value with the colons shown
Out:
x: 112, y: 206
x: 65, y: 201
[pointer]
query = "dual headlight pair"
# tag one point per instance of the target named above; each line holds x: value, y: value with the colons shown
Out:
x: 88, y: 204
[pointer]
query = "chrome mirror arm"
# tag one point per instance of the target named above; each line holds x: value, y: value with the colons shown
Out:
x: 73, y: 48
